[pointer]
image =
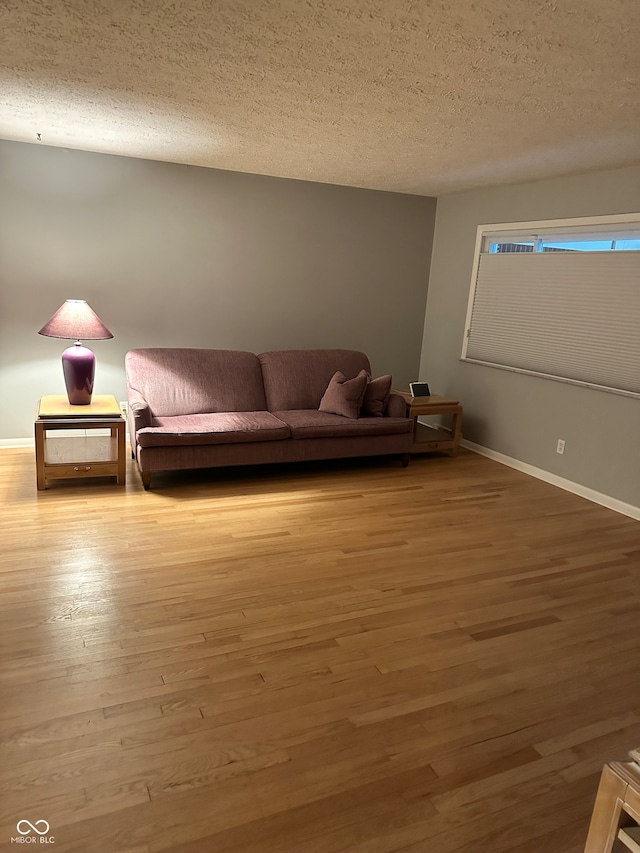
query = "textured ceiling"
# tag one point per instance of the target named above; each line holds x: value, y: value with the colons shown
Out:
x: 415, y: 96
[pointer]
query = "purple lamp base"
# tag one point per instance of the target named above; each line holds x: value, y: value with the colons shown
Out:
x: 79, y: 367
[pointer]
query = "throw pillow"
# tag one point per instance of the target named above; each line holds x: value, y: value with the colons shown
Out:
x: 376, y: 397
x: 344, y: 396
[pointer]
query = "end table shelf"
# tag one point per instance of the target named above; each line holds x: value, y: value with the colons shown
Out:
x: 83, y: 456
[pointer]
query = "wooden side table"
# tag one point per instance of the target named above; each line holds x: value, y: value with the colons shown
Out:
x: 615, y: 822
x: 427, y: 439
x: 85, y: 456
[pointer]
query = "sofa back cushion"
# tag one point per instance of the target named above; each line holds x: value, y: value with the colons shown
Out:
x: 196, y: 381
x: 297, y: 379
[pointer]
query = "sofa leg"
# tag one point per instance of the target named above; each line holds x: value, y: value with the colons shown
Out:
x: 146, y: 480
x: 405, y: 458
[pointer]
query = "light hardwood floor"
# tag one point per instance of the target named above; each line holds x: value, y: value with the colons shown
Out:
x: 349, y: 657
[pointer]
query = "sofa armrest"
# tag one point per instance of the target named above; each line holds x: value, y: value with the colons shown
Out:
x: 396, y: 407
x: 139, y: 411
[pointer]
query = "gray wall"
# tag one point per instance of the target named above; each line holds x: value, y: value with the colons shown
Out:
x: 523, y: 416
x: 172, y: 255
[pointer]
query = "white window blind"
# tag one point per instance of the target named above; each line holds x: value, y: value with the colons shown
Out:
x: 568, y: 315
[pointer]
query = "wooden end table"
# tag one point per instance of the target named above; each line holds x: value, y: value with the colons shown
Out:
x: 615, y: 822
x: 428, y: 439
x: 85, y: 456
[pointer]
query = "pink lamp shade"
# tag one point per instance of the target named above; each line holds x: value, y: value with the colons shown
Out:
x: 74, y: 320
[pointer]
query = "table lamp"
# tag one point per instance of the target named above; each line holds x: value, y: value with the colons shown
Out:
x: 75, y: 320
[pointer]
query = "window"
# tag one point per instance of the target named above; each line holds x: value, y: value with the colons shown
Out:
x: 560, y: 300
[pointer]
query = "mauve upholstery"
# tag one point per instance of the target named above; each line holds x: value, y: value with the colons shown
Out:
x: 396, y: 407
x: 196, y: 381
x: 261, y: 452
x: 199, y: 408
x: 376, y: 396
x: 217, y: 428
x: 309, y: 423
x: 344, y: 396
x: 297, y: 379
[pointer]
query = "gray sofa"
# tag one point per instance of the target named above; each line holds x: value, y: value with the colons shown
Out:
x: 203, y: 408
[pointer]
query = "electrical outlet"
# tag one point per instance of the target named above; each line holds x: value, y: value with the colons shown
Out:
x: 124, y: 407
x: 560, y: 447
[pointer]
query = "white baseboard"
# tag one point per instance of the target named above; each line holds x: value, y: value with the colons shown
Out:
x: 560, y: 482
x: 16, y: 442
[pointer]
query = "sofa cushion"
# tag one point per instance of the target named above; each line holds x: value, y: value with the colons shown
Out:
x: 196, y: 381
x: 297, y: 379
x: 217, y: 428
x: 376, y: 396
x: 344, y: 396
x: 311, y: 423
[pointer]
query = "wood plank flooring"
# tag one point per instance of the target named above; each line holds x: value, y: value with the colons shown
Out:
x: 330, y: 658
